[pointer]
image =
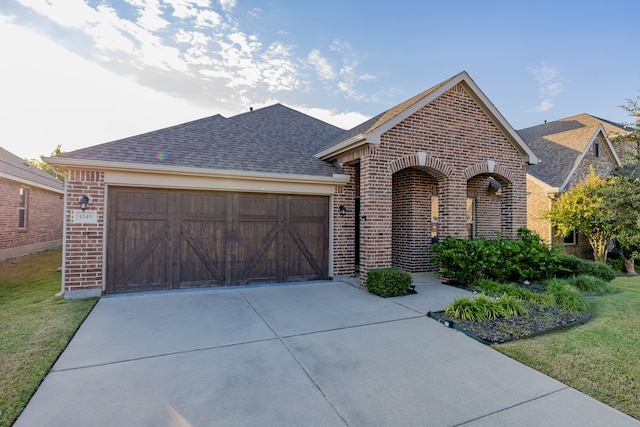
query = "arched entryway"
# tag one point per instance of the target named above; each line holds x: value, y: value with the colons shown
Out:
x: 415, y: 217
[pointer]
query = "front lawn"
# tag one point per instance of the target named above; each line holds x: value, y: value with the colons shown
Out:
x: 36, y: 327
x: 599, y: 358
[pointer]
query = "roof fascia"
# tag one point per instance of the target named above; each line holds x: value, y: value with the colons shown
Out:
x: 548, y: 188
x: 31, y: 183
x: 68, y: 163
x: 349, y: 144
x: 481, y: 99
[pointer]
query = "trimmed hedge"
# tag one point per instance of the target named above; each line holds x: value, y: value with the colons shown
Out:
x: 388, y: 282
x: 572, y: 266
x: 500, y: 259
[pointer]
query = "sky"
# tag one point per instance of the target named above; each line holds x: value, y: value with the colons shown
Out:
x: 79, y: 73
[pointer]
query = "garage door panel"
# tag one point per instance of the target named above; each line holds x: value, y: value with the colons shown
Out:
x: 171, y: 239
x: 141, y: 257
x: 258, y: 252
x: 202, y: 254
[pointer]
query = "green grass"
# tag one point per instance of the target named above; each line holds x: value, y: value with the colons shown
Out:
x: 36, y: 327
x: 599, y: 358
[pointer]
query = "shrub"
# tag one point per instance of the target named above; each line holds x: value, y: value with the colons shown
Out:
x: 484, y: 308
x: 587, y: 283
x: 462, y: 308
x: 566, y: 296
x: 388, y: 282
x: 616, y: 264
x: 573, y: 266
x: 510, y: 306
x: 500, y: 259
x: 516, y: 292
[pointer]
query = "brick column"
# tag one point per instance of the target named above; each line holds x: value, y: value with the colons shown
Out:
x: 376, y: 207
x: 84, y: 240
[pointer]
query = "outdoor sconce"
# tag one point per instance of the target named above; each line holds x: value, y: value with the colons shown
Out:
x: 84, y: 201
x: 343, y: 210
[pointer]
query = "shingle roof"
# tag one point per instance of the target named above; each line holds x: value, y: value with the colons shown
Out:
x: 288, y: 126
x: 381, y: 118
x: 13, y: 165
x: 248, y: 143
x: 560, y: 143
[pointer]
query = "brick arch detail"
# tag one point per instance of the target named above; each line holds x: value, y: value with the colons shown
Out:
x: 412, y: 160
x: 480, y: 168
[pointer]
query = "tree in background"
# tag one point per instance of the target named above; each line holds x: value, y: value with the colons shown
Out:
x: 621, y: 201
x: 582, y: 208
x: 629, y: 142
x: 47, y: 167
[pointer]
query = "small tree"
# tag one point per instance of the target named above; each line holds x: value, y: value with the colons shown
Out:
x: 581, y: 208
x: 47, y: 167
x: 632, y: 136
x: 621, y: 200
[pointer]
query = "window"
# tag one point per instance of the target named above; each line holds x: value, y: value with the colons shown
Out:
x: 22, y: 210
x: 596, y: 149
x: 471, y: 218
x: 434, y: 217
x: 572, y: 238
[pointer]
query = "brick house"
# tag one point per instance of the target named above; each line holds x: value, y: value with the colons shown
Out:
x: 31, y: 208
x: 567, y: 148
x: 273, y: 195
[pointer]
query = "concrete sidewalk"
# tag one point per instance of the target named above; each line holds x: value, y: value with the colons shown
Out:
x: 321, y: 354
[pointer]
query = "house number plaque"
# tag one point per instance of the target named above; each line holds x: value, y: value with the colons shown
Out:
x: 86, y: 217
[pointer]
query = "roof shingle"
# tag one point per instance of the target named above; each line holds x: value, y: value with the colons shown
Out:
x: 13, y: 165
x: 241, y: 143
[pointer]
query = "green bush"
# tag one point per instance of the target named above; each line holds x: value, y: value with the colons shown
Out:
x: 566, y: 296
x: 587, y: 283
x: 462, y: 308
x: 573, y: 266
x: 510, y: 306
x: 500, y: 259
x: 483, y: 307
x: 522, y: 294
x: 616, y: 264
x: 388, y: 282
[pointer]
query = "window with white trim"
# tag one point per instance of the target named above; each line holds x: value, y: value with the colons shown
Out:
x: 22, y: 209
x: 471, y: 218
x: 571, y: 238
x: 434, y: 217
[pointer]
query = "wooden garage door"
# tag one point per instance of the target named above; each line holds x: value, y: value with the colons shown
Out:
x: 169, y: 239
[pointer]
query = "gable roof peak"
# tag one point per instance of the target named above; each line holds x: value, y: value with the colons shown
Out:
x: 370, y: 131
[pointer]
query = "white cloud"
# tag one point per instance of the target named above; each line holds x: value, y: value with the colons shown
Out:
x: 321, y: 64
x: 344, y: 120
x: 52, y: 97
x: 227, y: 5
x: 549, y: 86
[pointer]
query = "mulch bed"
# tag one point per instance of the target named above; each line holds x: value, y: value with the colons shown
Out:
x: 540, y: 320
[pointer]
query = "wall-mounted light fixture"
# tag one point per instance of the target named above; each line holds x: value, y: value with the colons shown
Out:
x: 84, y: 201
x: 343, y: 210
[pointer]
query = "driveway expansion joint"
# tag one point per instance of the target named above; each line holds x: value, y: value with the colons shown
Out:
x: 524, y: 402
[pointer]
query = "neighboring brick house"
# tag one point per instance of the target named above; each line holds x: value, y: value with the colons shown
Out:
x: 31, y: 208
x: 567, y: 149
x: 273, y: 195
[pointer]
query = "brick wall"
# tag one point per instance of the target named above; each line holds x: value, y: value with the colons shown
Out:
x: 537, y: 206
x: 413, y: 189
x: 461, y: 148
x: 84, y: 242
x: 43, y: 217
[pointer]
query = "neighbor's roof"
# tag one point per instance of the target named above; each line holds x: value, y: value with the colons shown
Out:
x: 14, y: 168
x: 560, y: 145
x: 257, y: 141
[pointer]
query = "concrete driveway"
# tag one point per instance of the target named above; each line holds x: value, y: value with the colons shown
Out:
x: 316, y: 354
